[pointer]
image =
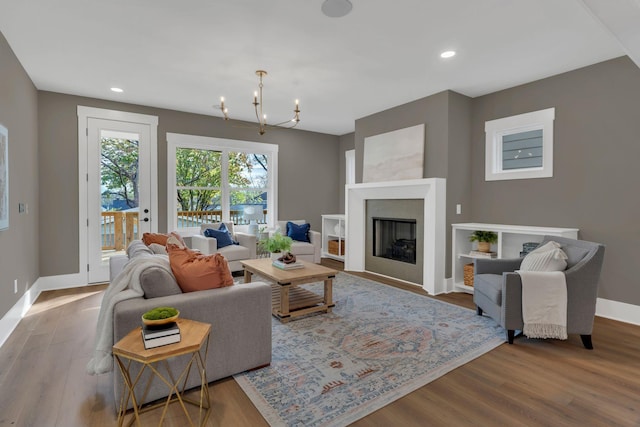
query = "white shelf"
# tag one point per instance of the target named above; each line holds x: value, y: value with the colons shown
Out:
x: 329, y: 225
x: 509, y: 245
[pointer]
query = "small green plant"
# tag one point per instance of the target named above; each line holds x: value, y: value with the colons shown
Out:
x: 483, y: 236
x: 160, y: 313
x: 276, y: 243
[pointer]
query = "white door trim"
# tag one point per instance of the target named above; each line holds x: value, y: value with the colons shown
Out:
x: 84, y: 113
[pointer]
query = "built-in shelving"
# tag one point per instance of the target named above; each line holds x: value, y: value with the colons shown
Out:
x: 333, y: 236
x: 509, y: 245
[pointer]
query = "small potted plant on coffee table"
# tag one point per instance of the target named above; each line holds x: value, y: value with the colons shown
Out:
x: 277, y: 245
x: 484, y: 239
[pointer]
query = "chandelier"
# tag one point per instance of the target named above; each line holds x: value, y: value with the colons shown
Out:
x: 258, y: 106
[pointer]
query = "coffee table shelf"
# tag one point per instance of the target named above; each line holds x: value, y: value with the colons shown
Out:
x: 288, y: 299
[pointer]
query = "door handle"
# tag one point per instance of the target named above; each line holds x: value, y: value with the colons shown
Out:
x: 146, y: 211
x: 146, y: 219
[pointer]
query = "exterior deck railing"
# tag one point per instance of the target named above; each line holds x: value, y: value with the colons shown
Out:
x: 120, y: 228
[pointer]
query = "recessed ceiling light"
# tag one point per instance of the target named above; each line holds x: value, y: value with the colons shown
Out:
x: 117, y: 89
x: 336, y: 8
x: 448, y: 54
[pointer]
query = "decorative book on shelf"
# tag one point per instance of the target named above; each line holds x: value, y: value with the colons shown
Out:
x: 159, y: 335
x: 479, y: 254
x: 291, y: 266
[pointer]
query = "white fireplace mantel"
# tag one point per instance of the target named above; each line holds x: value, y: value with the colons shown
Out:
x: 432, y: 191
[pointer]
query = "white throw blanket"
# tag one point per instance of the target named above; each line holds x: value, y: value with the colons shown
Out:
x: 125, y: 286
x: 544, y: 304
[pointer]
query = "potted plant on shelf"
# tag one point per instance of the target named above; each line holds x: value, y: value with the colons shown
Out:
x: 484, y: 239
x: 277, y: 245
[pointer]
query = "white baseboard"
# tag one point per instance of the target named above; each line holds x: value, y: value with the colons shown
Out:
x: 10, y: 320
x: 620, y: 311
x: 614, y: 310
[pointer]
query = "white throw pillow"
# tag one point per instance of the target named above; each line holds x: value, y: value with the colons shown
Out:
x: 548, y: 257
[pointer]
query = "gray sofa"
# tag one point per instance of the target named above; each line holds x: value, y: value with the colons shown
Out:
x: 240, y: 316
x: 498, y: 289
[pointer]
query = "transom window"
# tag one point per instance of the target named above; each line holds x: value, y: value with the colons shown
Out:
x: 213, y: 179
x: 520, y: 147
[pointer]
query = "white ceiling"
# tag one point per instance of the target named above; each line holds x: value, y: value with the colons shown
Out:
x: 184, y: 55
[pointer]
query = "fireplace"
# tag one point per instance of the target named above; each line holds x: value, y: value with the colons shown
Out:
x: 395, y: 239
x: 429, y: 195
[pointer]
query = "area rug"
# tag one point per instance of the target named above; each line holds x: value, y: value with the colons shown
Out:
x: 379, y: 344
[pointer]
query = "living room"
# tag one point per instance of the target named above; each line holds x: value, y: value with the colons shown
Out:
x: 595, y: 131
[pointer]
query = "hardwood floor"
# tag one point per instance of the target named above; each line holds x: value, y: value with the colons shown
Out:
x: 531, y: 383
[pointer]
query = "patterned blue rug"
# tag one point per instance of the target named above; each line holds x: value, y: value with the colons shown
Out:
x: 379, y: 344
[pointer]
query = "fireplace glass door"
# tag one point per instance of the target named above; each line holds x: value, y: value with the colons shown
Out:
x: 395, y: 239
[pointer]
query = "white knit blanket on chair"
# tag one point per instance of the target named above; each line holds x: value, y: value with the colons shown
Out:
x: 125, y: 286
x: 544, y: 304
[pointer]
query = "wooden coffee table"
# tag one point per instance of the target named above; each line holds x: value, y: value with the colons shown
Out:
x: 287, y: 298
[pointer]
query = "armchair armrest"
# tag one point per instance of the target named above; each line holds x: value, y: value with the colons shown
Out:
x: 206, y: 245
x: 249, y: 241
x: 496, y: 266
x: 316, y: 240
x: 511, y: 301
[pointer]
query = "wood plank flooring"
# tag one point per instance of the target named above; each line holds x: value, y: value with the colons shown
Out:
x: 531, y: 383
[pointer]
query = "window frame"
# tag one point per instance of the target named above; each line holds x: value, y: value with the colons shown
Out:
x: 496, y: 129
x: 225, y: 146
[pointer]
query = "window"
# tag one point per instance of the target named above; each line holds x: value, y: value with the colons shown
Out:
x: 213, y: 179
x: 520, y: 147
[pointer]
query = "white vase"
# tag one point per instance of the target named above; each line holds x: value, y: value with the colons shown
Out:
x: 275, y: 255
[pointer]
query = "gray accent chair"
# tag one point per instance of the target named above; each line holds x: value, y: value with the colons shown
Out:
x: 498, y: 289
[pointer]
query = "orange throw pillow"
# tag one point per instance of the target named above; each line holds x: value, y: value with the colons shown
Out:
x: 159, y: 238
x: 197, y: 272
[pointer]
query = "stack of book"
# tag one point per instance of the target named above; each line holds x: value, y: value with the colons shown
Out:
x: 291, y: 266
x: 478, y: 254
x: 159, y: 335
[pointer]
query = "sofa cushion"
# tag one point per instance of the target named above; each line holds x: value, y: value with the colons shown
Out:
x: 574, y: 254
x: 302, y: 248
x: 235, y: 253
x: 158, y: 249
x: 548, y: 257
x: 281, y: 226
x: 222, y: 236
x: 298, y: 232
x: 196, y: 272
x: 489, y: 285
x: 159, y: 238
x: 137, y: 248
x: 157, y: 282
x: 216, y: 226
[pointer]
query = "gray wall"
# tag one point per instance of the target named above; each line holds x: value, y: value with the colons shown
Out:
x: 19, y: 114
x: 595, y: 174
x: 447, y: 119
x: 596, y: 153
x: 308, y: 180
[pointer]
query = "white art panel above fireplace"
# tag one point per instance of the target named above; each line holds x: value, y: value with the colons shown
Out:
x: 394, y: 156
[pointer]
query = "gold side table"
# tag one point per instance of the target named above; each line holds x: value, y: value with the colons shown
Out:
x: 194, y: 339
